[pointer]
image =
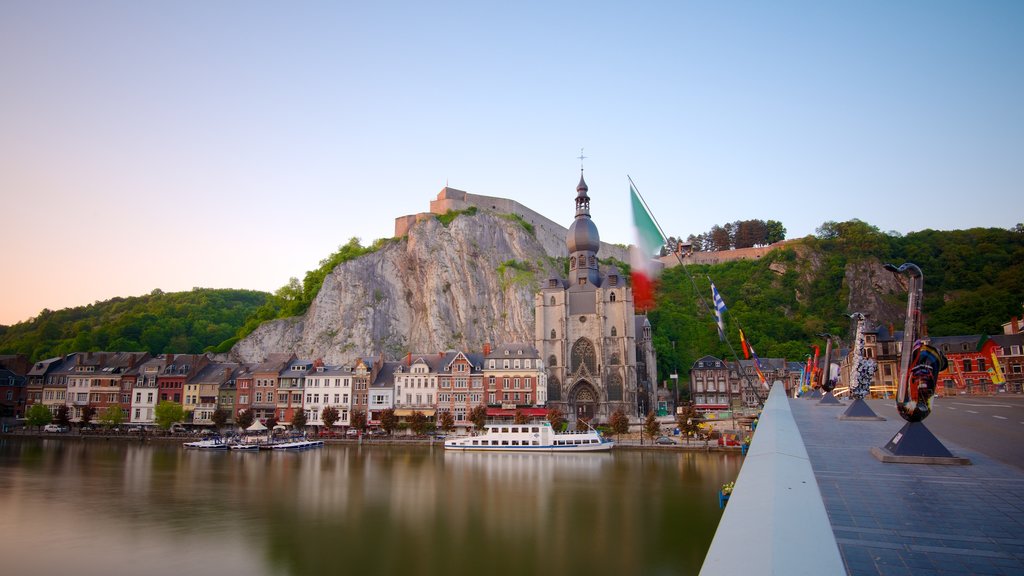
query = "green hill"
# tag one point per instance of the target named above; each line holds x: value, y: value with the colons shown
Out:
x: 974, y: 281
x: 178, y: 322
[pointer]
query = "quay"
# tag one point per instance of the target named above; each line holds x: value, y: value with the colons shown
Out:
x: 812, y: 499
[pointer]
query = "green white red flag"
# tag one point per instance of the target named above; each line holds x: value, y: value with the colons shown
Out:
x: 641, y: 255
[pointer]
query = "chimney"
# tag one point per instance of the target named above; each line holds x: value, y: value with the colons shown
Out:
x: 487, y: 348
x: 1014, y: 326
x: 227, y: 373
x: 408, y: 359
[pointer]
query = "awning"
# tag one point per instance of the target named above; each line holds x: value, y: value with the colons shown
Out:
x: 400, y: 412
x: 528, y: 412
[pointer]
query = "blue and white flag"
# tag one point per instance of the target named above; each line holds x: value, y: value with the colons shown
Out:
x: 719, y: 308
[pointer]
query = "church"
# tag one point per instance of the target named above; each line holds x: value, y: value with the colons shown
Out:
x: 598, y: 351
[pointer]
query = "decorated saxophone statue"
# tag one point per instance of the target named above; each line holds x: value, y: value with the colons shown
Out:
x: 920, y: 363
x: 863, y: 369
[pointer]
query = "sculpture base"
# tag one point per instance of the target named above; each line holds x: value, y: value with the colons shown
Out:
x: 829, y: 399
x: 915, y: 444
x: 814, y: 394
x: 859, y: 410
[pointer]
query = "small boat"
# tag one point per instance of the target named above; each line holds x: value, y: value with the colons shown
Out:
x: 216, y: 443
x: 297, y: 444
x: 536, y: 437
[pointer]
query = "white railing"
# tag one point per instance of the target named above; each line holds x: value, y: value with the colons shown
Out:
x: 775, y: 521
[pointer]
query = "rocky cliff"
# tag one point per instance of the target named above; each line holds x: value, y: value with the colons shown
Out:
x: 435, y: 289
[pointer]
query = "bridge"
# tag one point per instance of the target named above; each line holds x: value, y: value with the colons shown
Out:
x: 812, y: 499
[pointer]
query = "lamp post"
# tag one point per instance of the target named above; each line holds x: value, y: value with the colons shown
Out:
x: 675, y: 374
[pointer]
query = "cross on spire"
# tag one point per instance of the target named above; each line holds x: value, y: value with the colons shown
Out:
x: 582, y: 158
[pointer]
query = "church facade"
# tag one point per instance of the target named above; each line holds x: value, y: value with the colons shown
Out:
x: 598, y: 352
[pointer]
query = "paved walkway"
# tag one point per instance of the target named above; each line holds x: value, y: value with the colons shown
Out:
x: 911, y: 519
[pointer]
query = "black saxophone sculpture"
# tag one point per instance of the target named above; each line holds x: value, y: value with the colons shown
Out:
x: 920, y: 362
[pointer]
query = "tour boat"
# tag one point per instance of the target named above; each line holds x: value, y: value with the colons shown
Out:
x: 535, y: 437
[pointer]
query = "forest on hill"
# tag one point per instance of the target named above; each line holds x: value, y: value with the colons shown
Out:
x: 159, y: 322
x: 974, y: 282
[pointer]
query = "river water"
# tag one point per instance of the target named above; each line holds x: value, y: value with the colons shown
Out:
x: 94, y: 507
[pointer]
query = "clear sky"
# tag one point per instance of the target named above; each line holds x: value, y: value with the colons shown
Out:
x: 234, y: 144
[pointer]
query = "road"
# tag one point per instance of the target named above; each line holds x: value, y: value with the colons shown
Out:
x: 992, y: 425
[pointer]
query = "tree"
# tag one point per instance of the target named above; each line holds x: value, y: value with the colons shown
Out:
x: 447, y: 421
x: 112, y: 416
x: 63, y: 415
x: 38, y: 415
x: 88, y: 412
x: 651, y: 426
x: 687, y: 420
x: 419, y: 423
x: 520, y: 418
x: 299, y: 419
x: 219, y: 417
x: 359, y: 420
x: 271, y: 422
x: 720, y: 237
x: 619, y: 422
x: 329, y: 415
x: 388, y: 420
x: 557, y: 418
x: 245, y: 418
x: 478, y: 416
x: 776, y: 231
x: 167, y: 413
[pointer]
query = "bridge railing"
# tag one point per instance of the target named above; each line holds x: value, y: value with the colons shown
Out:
x: 775, y: 521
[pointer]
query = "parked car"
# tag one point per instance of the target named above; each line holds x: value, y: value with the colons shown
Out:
x: 54, y: 428
x: 665, y: 440
x: 352, y: 432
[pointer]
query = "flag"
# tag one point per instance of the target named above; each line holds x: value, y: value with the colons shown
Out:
x: 997, y: 370
x: 641, y: 255
x: 757, y: 366
x: 719, y: 308
x: 744, y: 345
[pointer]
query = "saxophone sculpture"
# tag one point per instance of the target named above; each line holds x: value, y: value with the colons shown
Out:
x: 863, y: 368
x: 920, y: 363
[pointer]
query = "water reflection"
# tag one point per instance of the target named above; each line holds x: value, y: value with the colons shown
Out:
x: 108, y: 507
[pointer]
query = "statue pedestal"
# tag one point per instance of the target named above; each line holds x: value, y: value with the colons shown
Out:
x: 915, y: 444
x: 859, y: 410
x: 829, y: 399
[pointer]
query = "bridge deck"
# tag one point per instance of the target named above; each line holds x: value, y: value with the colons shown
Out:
x: 913, y: 519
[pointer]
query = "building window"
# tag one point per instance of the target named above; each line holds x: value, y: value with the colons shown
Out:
x: 614, y: 332
x: 967, y: 365
x: 612, y: 297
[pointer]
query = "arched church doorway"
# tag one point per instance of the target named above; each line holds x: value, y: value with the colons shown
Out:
x: 583, y: 401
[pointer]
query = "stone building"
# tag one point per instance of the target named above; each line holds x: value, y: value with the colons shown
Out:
x: 586, y: 332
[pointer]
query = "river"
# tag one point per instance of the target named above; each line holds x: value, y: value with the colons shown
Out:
x: 92, y: 507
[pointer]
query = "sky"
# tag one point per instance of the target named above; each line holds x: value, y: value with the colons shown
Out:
x: 235, y: 144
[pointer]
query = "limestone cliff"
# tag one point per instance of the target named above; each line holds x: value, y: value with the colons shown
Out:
x: 435, y: 289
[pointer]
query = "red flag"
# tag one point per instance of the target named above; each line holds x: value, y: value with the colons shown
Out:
x: 746, y: 347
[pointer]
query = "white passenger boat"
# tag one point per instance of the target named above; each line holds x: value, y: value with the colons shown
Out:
x: 535, y: 437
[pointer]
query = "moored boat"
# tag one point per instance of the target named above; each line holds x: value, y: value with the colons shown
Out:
x: 209, y: 444
x: 297, y: 444
x: 535, y: 437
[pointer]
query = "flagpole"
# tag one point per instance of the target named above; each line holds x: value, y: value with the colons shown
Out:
x: 732, y: 350
x: 703, y: 301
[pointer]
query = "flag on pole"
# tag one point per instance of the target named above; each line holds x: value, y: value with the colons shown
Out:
x: 719, y: 308
x: 744, y: 345
x: 757, y: 366
x: 649, y: 241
